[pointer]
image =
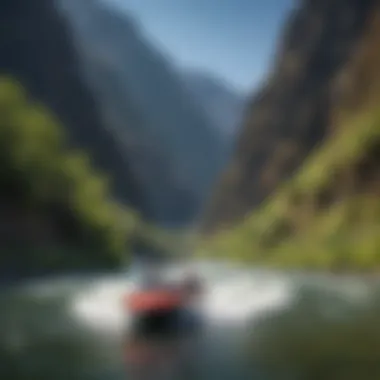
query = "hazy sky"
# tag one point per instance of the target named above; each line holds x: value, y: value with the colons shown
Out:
x: 234, y: 39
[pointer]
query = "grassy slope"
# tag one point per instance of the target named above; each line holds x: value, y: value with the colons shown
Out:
x: 294, y: 228
x: 41, y: 174
x: 328, y: 215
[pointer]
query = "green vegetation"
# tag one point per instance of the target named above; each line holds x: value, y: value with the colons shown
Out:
x: 326, y: 217
x: 44, y: 177
x: 41, y: 174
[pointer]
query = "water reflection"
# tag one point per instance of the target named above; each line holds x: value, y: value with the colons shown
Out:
x: 41, y: 338
x: 71, y: 329
x: 34, y: 338
x: 330, y: 331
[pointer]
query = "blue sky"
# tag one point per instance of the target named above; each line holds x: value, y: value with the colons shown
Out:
x: 233, y: 39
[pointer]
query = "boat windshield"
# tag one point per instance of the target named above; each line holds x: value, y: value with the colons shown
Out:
x: 146, y: 275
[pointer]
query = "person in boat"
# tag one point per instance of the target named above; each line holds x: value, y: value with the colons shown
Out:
x: 160, y: 336
x: 159, y: 306
x: 191, y: 286
x: 152, y: 279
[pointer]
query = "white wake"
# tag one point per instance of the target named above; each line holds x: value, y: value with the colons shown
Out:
x: 232, y: 296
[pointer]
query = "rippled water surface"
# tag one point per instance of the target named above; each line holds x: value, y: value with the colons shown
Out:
x: 258, y: 325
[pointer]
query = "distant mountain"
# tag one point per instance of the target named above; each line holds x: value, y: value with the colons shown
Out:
x: 174, y: 148
x: 224, y: 105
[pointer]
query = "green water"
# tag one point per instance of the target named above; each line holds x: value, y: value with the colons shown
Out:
x: 259, y: 326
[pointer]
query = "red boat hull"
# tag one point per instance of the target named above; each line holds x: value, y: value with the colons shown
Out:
x: 150, y: 301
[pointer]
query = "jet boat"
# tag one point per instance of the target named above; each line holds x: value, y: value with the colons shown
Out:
x: 158, y: 307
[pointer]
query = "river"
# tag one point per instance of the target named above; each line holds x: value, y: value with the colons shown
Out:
x: 260, y: 324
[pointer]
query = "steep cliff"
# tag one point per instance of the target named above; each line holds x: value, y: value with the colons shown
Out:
x: 36, y: 48
x: 294, y: 111
x: 174, y: 149
x: 54, y: 214
x: 326, y: 215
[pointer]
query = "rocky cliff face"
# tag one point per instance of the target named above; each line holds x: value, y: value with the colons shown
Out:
x: 295, y: 110
x: 174, y: 149
x: 36, y: 47
x: 117, y: 98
